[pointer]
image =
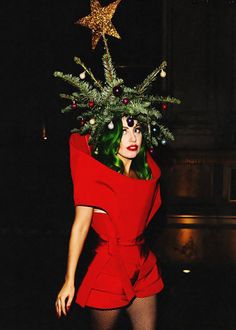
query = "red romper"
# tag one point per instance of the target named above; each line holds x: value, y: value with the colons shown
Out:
x: 119, y: 271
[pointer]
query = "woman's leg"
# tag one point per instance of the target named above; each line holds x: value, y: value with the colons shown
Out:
x: 103, y: 319
x: 143, y: 313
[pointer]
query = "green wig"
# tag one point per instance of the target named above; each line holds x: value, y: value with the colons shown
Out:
x: 108, y: 146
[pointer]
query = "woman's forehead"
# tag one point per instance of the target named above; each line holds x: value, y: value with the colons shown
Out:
x: 124, y: 121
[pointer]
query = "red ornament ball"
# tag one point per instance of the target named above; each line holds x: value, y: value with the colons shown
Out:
x: 164, y: 106
x: 91, y: 104
x: 151, y: 149
x: 74, y: 105
x: 125, y: 100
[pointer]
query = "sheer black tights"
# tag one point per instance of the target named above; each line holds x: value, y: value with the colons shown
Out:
x: 142, y: 313
x: 104, y: 319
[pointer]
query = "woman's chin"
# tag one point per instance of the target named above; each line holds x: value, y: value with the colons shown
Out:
x: 129, y: 155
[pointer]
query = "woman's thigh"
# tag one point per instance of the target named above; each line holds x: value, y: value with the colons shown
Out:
x: 102, y: 319
x: 143, y: 313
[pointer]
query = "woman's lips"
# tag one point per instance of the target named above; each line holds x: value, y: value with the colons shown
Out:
x: 133, y: 147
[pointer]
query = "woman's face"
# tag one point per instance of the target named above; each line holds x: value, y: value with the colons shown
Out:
x: 131, y: 140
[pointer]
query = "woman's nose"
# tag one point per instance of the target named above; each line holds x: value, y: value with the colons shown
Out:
x: 132, y: 136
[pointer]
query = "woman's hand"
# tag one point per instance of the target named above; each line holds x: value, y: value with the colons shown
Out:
x: 64, y: 299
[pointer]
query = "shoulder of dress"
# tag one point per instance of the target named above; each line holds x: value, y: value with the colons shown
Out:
x: 156, y: 171
x: 80, y: 142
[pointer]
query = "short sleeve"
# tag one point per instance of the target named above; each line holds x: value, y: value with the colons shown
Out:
x: 80, y: 142
x: 81, y: 171
x: 90, y: 178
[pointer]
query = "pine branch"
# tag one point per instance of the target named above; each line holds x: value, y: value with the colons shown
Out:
x: 150, y: 78
x: 166, y: 133
x: 86, y: 89
x: 108, y: 90
x: 74, y: 81
x: 74, y: 130
x: 153, y: 112
x: 154, y: 142
x: 109, y: 69
x: 66, y: 109
x: 89, y: 72
x: 167, y: 99
x: 67, y: 96
x: 129, y: 90
x: 135, y: 107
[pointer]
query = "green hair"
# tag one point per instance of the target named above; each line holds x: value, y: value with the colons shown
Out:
x: 107, y: 152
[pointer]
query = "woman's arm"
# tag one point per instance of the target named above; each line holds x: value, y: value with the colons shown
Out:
x: 79, y: 232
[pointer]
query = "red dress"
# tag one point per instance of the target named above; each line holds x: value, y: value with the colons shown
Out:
x: 119, y: 271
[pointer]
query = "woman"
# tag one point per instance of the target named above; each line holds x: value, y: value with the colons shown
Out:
x: 116, y: 191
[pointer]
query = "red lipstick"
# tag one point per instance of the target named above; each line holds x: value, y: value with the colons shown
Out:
x: 133, y: 147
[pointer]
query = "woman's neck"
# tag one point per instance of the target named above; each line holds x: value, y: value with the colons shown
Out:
x: 127, y: 164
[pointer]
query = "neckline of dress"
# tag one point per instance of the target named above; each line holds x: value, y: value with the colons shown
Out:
x: 154, y: 178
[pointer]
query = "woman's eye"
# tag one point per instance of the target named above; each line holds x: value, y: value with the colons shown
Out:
x: 138, y: 130
x: 124, y: 130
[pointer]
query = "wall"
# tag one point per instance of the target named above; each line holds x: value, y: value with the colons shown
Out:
x: 199, y: 178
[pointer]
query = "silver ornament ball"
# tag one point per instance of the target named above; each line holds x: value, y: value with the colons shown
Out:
x: 163, y: 74
x: 82, y: 75
x: 110, y: 125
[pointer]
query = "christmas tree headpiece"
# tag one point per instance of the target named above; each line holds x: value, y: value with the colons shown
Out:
x: 99, y: 104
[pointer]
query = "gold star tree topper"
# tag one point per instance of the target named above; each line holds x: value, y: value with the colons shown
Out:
x: 99, y: 21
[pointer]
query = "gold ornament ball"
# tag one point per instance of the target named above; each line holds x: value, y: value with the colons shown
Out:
x: 92, y: 121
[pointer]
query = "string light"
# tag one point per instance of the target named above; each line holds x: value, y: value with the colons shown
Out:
x: 186, y: 271
x: 44, y: 134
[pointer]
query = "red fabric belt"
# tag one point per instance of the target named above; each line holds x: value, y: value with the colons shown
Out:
x: 100, y: 261
x: 114, y: 243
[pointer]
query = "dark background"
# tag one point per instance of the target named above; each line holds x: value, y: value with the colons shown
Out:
x: 195, y: 227
x: 39, y: 38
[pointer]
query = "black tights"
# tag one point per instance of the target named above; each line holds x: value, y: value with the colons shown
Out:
x: 142, y: 313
